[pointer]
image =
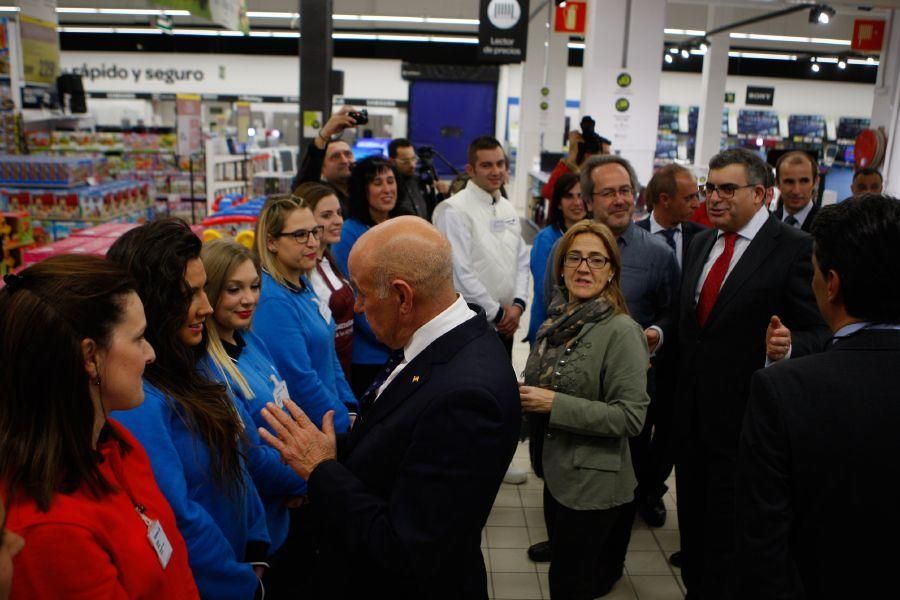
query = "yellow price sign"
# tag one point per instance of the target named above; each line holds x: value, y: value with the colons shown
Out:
x: 40, y: 50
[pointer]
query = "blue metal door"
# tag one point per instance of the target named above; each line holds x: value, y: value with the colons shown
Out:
x: 448, y: 115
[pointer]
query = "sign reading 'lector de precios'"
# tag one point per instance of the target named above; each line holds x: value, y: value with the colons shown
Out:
x: 503, y: 31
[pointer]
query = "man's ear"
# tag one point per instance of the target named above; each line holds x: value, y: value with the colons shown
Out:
x: 406, y: 295
x: 833, y: 286
x: 662, y: 200
x: 470, y: 171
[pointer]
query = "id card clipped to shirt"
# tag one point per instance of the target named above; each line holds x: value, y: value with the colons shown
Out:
x: 157, y: 538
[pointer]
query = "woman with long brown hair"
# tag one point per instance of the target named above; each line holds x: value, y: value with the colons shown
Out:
x: 187, y: 423
x: 79, y: 487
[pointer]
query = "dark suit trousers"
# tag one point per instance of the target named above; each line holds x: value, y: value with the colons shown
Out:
x: 651, y: 452
x: 586, y: 555
x: 706, y: 484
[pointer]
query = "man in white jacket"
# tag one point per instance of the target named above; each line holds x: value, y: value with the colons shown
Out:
x: 490, y: 259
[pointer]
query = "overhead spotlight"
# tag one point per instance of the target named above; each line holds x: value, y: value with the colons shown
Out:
x: 815, y: 68
x: 668, y: 59
x: 685, y: 53
x: 821, y: 14
x: 704, y: 46
x: 870, y: 60
x: 673, y: 50
x: 842, y: 64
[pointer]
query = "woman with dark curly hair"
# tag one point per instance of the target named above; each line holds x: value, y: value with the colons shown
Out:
x: 373, y: 200
x: 187, y: 423
x: 79, y: 487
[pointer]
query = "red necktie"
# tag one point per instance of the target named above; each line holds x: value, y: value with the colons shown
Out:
x: 714, y: 279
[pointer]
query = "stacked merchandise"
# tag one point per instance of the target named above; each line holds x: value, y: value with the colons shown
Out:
x: 16, y: 237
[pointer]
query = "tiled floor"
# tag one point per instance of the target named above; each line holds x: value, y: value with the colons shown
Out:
x: 517, y: 521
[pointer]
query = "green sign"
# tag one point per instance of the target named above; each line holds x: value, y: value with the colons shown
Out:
x: 545, y: 105
x: 622, y: 104
x: 545, y: 91
x: 623, y: 80
x: 729, y: 97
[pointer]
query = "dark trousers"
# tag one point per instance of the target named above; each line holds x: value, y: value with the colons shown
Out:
x: 292, y: 568
x: 651, y: 451
x: 705, y: 483
x: 587, y: 548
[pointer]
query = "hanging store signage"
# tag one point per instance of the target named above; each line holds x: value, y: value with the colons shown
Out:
x: 187, y: 121
x: 868, y: 35
x: 40, y: 42
x: 503, y: 30
x: 760, y: 96
x: 570, y: 18
x: 231, y: 14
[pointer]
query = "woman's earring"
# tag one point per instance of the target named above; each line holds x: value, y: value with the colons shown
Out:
x: 609, y: 280
x: 97, y: 381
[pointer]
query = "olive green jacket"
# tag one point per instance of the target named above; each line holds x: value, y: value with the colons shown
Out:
x: 601, y: 401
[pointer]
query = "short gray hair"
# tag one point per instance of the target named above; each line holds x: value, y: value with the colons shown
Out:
x: 756, y: 169
x: 428, y: 271
x: 598, y: 160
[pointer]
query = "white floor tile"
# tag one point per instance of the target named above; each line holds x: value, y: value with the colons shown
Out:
x: 534, y: 517
x: 531, y: 498
x: 508, y: 537
x: 517, y: 586
x: 639, y: 562
x: 642, y: 539
x: 508, y: 498
x: 510, y: 560
x: 506, y: 517
x: 656, y: 587
x: 669, y: 540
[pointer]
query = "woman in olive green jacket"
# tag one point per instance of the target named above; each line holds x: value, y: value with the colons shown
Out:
x: 585, y: 387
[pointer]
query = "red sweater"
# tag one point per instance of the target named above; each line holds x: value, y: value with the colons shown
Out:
x: 561, y: 168
x: 85, y: 548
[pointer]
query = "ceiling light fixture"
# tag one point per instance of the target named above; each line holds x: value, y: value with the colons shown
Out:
x: 685, y: 53
x: 821, y: 14
x: 668, y: 59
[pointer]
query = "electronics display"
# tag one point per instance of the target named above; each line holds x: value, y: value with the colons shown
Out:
x: 806, y: 126
x: 668, y: 118
x: 666, y: 146
x: 850, y: 127
x: 758, y: 122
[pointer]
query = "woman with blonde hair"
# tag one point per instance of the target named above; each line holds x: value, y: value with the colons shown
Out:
x: 289, y: 317
x: 328, y: 281
x: 585, y: 389
x: 239, y: 359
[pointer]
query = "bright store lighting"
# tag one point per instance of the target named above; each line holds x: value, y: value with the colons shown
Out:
x: 685, y: 54
x: 262, y: 14
x: 668, y: 59
x: 842, y: 65
x: 815, y: 68
x: 788, y: 38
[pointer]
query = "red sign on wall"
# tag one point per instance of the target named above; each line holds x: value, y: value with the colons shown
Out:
x: 868, y: 35
x: 570, y: 17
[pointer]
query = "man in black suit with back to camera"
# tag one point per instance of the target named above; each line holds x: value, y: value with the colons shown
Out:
x: 403, y: 497
x: 819, y: 445
x: 672, y: 196
x: 745, y: 301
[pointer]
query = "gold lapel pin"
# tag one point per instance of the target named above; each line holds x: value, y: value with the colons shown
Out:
x: 415, y: 379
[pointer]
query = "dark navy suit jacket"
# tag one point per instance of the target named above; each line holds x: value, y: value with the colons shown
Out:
x: 403, y: 507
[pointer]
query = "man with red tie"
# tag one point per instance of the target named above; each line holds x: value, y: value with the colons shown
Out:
x: 745, y: 302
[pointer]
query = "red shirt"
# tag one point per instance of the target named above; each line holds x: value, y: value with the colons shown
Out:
x: 700, y: 216
x: 97, y: 549
x: 560, y: 169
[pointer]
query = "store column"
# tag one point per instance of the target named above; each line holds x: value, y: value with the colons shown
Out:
x: 712, y: 89
x: 623, y: 57
x: 316, y: 51
x: 885, y: 108
x: 542, y: 112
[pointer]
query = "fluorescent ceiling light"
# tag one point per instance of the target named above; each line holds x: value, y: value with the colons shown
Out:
x: 762, y: 55
x: 788, y: 38
x: 354, y: 36
x: 9, y: 9
x: 119, y: 11
x: 454, y: 40
x: 447, y: 21
x: 868, y: 61
x: 388, y: 19
x: 257, y: 14
x: 403, y: 38
x: 576, y: 45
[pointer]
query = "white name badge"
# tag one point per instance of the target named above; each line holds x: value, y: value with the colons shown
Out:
x: 280, y: 391
x: 498, y: 225
x: 160, y: 542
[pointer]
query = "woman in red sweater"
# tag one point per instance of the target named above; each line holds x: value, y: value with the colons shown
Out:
x: 78, y: 487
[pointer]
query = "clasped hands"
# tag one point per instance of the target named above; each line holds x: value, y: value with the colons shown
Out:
x: 535, y: 399
x: 301, y: 445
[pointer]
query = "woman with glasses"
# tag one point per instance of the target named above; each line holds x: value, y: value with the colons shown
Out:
x: 567, y: 207
x: 373, y: 200
x: 585, y: 388
x: 328, y: 282
x: 295, y: 325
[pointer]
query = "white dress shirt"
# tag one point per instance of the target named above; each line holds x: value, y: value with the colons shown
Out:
x: 800, y: 214
x: 657, y: 229
x: 745, y: 236
x: 453, y: 316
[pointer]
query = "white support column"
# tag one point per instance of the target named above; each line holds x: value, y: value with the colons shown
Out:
x: 540, y: 128
x: 712, y: 89
x: 623, y: 57
x: 885, y: 109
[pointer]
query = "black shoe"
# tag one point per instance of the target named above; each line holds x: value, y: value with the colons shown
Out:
x: 539, y: 552
x: 675, y: 559
x: 653, y: 512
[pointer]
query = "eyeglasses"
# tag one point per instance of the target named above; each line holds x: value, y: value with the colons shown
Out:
x: 411, y: 159
x: 301, y: 236
x: 726, y: 191
x: 594, y: 262
x: 610, y: 193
